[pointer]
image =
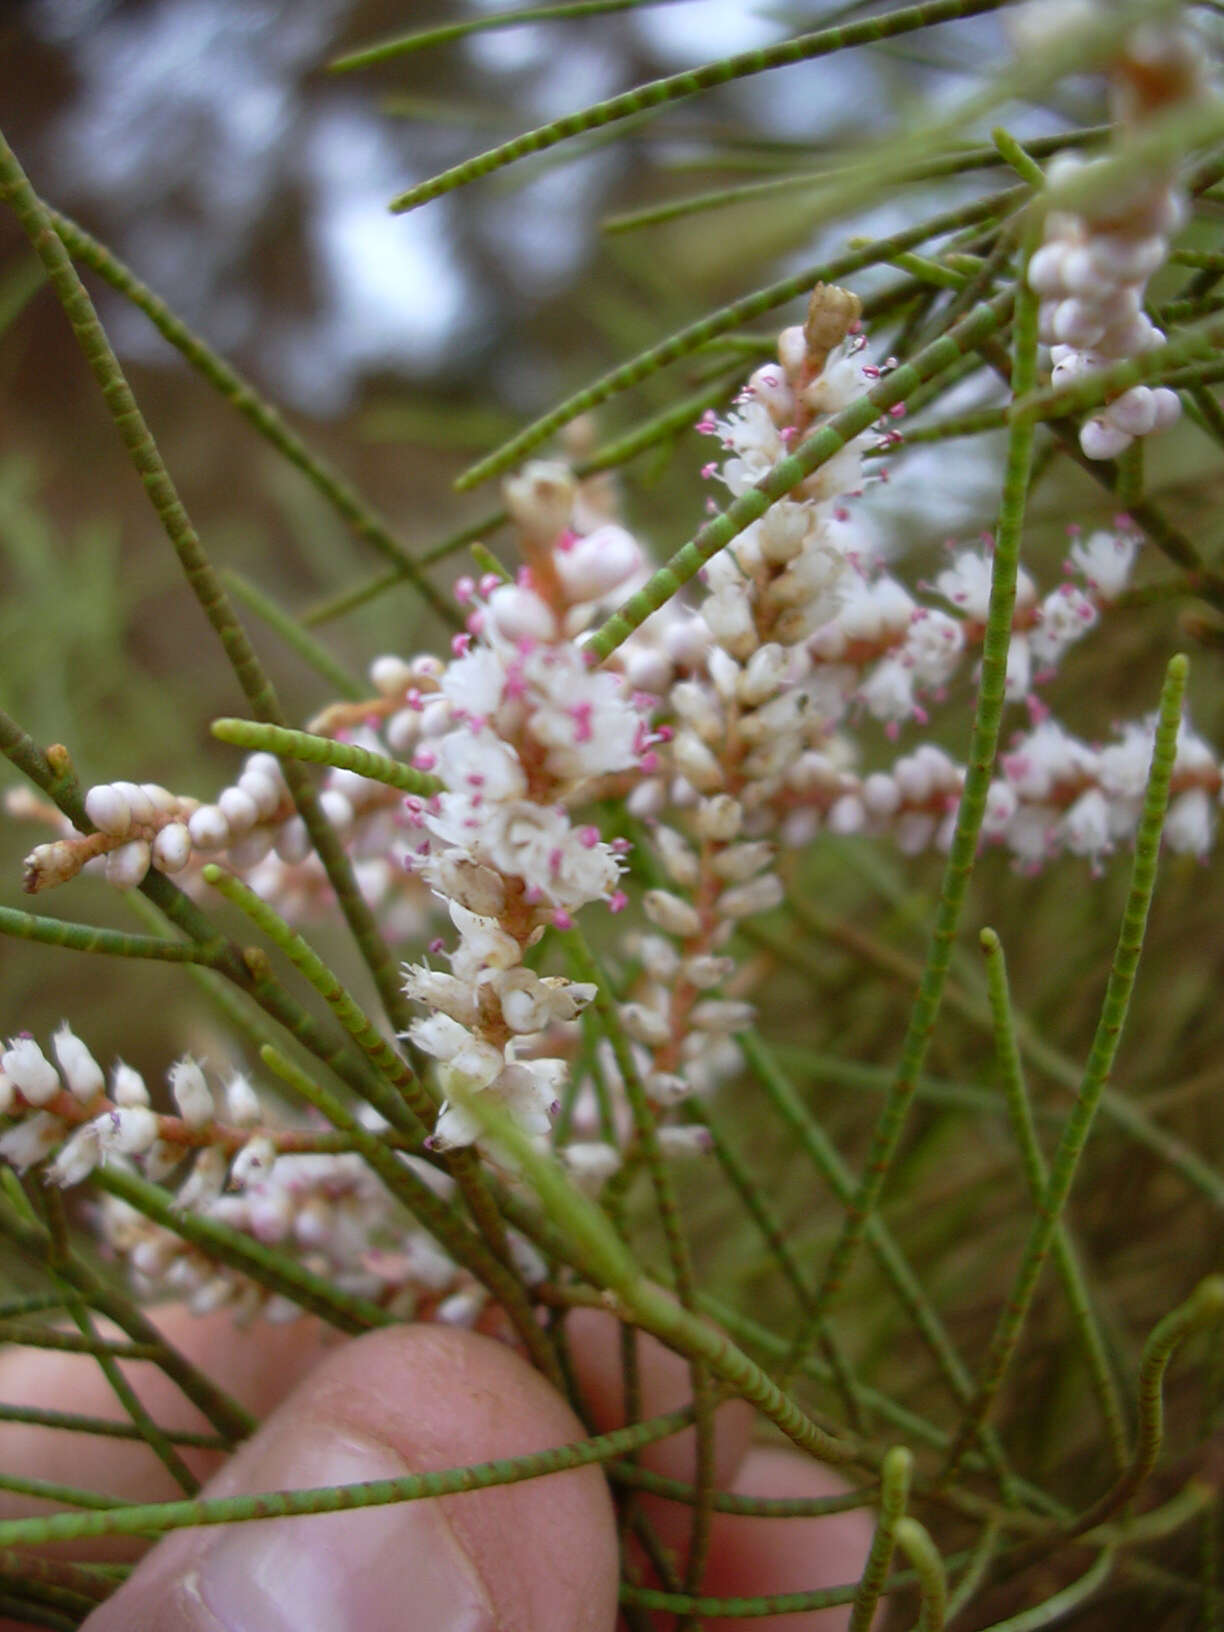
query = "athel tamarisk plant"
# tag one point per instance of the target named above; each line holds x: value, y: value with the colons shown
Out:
x: 681, y: 884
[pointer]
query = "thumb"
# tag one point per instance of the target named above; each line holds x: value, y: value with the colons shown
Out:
x: 534, y: 1557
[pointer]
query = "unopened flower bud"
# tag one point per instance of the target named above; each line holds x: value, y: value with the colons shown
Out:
x: 30, y: 1071
x: 128, y: 1086
x: 108, y: 810
x: 77, y: 1158
x: 722, y: 1014
x: 719, y: 819
x: 208, y: 828
x: 758, y: 895
x: 254, y: 1161
x: 671, y: 914
x: 677, y: 857
x: 644, y: 1025
x: 81, y: 1072
x: 31, y: 1139
x: 741, y: 861
x: 127, y: 866
x: 191, y: 1093
x: 239, y: 809
x: 172, y: 847
x: 126, y: 1132
x: 241, y: 1102
x: 706, y: 970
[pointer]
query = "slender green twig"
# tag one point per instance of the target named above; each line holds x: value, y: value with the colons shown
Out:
x: 970, y: 812
x: 15, y: 190
x: 421, y: 39
x: 114, y: 943
x: 1121, y: 982
x: 229, y: 1418
x: 1204, y: 1308
x: 695, y: 335
x: 679, y: 1257
x: 276, y: 1271
x: 805, y: 48
x: 242, y: 396
x: 157, y: 1518
x: 1011, y: 1073
x: 895, y: 1473
x: 313, y: 749
x: 915, y: 1542
x: 294, y: 634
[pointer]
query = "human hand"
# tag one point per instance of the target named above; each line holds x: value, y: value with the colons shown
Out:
x: 540, y: 1556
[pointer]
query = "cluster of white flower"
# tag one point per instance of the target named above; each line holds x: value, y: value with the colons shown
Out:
x: 252, y: 826
x: 891, y: 653
x: 1058, y: 795
x: 519, y: 728
x: 233, y: 1164
x: 1093, y: 269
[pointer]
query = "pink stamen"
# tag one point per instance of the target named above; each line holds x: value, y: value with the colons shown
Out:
x: 460, y: 645
x: 588, y: 837
x: 424, y: 760
x: 465, y: 588
x: 617, y: 901
x: 562, y: 920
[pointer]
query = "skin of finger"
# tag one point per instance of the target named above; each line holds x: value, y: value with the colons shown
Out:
x: 752, y: 1557
x: 545, y: 1550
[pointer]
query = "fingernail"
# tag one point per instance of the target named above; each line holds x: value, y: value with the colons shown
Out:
x: 395, y: 1565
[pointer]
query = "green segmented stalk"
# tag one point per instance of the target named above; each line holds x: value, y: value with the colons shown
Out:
x: 401, y: 45
x: 677, y: 87
x: 949, y: 164
x: 832, y: 1169
x: 146, y: 1428
x: 1061, y: 1604
x: 105, y: 1427
x: 434, y: 1214
x: 202, y: 577
x: 231, y: 1420
x: 589, y: 968
x: 748, y: 1507
x: 813, y: 452
x: 274, y: 1270
x: 772, y: 1232
x: 695, y: 335
x: 971, y: 809
x: 1096, y: 1072
x: 915, y: 1542
x: 316, y: 750
x: 47, y: 1337
x: 114, y: 943
x: 1204, y: 1308
x: 1011, y: 1074
x: 158, y: 1518
x: 895, y: 1473
x: 36, y: 1303
x: 241, y: 395
x: 411, y: 1110
x: 294, y: 634
x: 975, y: 1570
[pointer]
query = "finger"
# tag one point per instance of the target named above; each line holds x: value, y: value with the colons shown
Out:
x: 534, y: 1557
x: 750, y: 1558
